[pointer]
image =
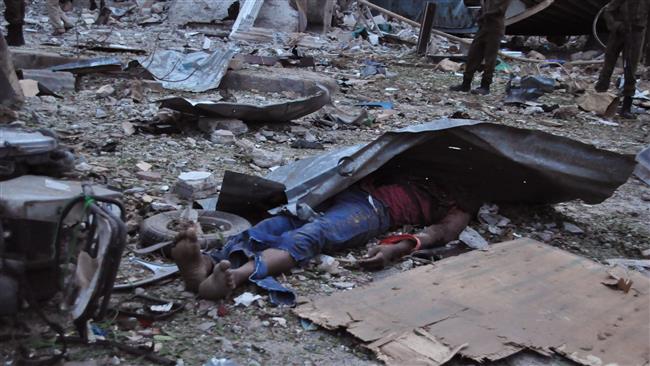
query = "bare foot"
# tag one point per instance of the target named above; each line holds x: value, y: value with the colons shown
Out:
x: 220, y: 283
x: 192, y: 264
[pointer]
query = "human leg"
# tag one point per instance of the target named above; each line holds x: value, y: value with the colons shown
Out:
x: 353, y: 218
x: 631, y: 57
x: 15, y: 16
x: 224, y: 279
x: 54, y: 14
x: 490, y: 53
x: 196, y: 266
x: 615, y: 45
x: 474, y: 59
x: 193, y: 266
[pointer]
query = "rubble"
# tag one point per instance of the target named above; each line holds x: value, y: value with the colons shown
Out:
x: 288, y: 89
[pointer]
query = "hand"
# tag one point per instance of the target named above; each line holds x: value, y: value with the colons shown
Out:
x: 380, y: 256
x: 376, y: 259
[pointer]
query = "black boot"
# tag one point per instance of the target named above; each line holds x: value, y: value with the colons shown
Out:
x: 15, y: 35
x: 601, y: 86
x: 484, y: 89
x: 626, y: 109
x: 464, y: 87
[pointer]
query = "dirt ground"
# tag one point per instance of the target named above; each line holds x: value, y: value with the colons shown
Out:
x: 263, y: 334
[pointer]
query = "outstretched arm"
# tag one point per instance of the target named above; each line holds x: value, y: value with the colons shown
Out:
x: 435, y: 235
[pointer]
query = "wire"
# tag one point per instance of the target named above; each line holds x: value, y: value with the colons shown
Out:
x: 595, y: 26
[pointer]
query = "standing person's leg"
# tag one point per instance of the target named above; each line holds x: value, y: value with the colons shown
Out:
x: 631, y: 57
x: 474, y: 59
x: 615, y: 45
x: 351, y: 220
x: 15, y: 16
x: 54, y: 13
x: 490, y: 52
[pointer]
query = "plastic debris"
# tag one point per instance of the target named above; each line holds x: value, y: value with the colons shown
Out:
x: 246, y: 299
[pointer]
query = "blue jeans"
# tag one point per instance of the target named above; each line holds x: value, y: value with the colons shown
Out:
x: 349, y: 219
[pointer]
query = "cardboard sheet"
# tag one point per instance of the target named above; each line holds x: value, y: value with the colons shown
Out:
x: 489, y: 305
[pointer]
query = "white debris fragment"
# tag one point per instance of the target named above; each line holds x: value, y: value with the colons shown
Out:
x: 246, y: 299
x: 473, y: 239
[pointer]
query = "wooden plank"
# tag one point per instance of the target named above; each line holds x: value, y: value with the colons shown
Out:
x: 519, y: 295
x: 425, y: 29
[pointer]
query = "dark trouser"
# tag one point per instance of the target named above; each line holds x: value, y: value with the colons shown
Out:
x: 15, y: 12
x: 630, y: 44
x: 484, y: 48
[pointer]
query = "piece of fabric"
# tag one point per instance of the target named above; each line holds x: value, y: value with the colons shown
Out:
x: 349, y: 219
x: 15, y: 12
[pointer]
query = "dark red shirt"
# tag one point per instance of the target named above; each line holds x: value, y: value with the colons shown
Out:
x: 415, y: 203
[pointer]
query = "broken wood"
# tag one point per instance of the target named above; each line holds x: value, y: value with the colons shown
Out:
x: 425, y: 29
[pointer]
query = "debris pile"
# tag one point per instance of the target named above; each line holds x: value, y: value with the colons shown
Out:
x: 155, y: 117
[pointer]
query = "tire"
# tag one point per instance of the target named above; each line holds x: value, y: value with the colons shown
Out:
x: 156, y: 229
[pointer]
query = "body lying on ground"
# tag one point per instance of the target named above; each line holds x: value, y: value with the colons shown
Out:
x: 348, y: 220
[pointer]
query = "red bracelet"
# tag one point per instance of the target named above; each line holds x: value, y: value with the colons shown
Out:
x: 397, y: 238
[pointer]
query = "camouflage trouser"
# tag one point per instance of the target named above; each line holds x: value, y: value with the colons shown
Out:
x: 630, y: 44
x: 15, y: 12
x: 58, y: 19
x: 484, y: 48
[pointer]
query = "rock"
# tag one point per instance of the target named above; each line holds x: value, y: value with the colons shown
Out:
x: 533, y: 110
x: 205, y: 326
x: 266, y: 133
x: 265, y: 158
x: 105, y: 91
x: 209, y: 125
x: 7, y: 114
x: 149, y: 176
x: 196, y: 185
x: 164, y: 206
x: 83, y: 167
x: 100, y: 113
x: 576, y: 56
x: 309, y: 137
x: 343, y: 285
x: 473, y: 239
x: 566, y: 112
x: 571, y: 228
x: 448, y: 65
x: 280, y: 321
x: 550, y: 123
x: 299, y: 130
x: 645, y: 253
x: 260, y: 138
x: 222, y: 137
x: 536, y: 55
x: 280, y: 138
x: 158, y: 8
x: 591, y: 54
x: 17, y: 124
x: 245, y: 145
x: 134, y: 190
